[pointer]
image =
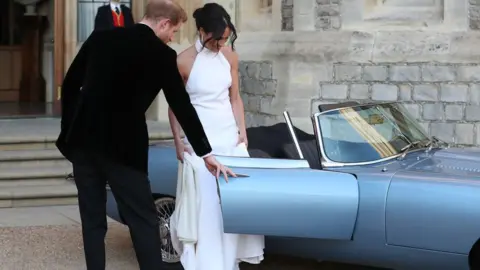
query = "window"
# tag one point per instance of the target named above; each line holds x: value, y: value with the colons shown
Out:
x: 87, y: 9
x: 420, y: 11
x: 258, y: 15
x: 404, y: 15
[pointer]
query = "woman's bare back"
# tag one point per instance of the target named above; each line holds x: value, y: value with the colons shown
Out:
x: 185, y: 62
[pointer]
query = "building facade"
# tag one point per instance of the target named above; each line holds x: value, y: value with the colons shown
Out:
x: 298, y: 54
x: 423, y: 53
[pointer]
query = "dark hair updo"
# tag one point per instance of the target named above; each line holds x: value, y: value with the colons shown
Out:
x: 214, y: 19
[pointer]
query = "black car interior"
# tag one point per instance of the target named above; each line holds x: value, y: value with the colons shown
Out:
x: 275, y: 141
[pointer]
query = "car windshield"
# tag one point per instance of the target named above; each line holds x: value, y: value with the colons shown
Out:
x: 367, y: 133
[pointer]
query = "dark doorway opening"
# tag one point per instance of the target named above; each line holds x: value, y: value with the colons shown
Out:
x: 23, y: 86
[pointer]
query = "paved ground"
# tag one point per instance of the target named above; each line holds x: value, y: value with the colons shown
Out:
x: 49, y: 238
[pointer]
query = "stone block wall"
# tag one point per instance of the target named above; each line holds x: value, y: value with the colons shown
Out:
x: 327, y: 15
x: 422, y: 53
x: 336, y: 53
x: 444, y: 98
x: 474, y: 14
x: 287, y: 15
x: 258, y: 88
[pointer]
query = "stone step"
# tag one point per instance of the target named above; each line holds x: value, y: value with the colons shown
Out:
x: 32, y: 171
x: 33, y: 182
x: 27, y: 145
x: 41, y: 133
x: 50, y: 144
x: 38, y: 195
x: 33, y: 176
x: 31, y: 158
x: 39, y: 172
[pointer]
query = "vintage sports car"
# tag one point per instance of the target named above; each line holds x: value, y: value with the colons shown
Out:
x: 368, y: 187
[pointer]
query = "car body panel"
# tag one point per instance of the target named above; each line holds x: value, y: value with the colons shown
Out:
x: 434, y: 203
x: 324, y: 204
x: 163, y: 170
x: 368, y: 245
x: 417, y: 209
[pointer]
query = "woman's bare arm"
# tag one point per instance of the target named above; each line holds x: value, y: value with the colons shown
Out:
x: 235, y: 98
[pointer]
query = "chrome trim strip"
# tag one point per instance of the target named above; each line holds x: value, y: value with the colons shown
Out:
x: 365, y: 104
x: 262, y: 163
x: 288, y: 120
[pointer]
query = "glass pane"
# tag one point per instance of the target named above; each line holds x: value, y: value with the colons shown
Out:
x: 87, y: 9
x: 369, y: 132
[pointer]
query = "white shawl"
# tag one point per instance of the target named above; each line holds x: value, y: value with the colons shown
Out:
x: 184, y: 221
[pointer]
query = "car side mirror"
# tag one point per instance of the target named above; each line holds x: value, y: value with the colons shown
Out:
x: 288, y: 121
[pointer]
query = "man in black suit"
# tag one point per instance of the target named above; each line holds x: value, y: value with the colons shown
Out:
x: 113, y: 15
x: 109, y: 86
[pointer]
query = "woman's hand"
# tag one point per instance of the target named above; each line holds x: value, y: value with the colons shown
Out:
x: 242, y: 138
x: 181, y: 148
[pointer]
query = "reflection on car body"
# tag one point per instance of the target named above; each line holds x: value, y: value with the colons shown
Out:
x: 351, y: 198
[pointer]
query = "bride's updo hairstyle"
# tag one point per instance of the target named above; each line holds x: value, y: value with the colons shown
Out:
x: 213, y: 19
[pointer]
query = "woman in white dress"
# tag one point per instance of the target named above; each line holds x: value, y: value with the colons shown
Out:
x: 210, y: 71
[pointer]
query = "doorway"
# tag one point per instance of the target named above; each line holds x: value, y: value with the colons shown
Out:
x: 27, y: 53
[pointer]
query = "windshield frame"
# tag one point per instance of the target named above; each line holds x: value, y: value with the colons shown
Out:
x: 326, y: 162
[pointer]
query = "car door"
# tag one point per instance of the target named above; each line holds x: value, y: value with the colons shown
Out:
x: 286, y: 198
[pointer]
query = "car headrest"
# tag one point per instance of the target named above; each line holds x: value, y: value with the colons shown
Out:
x: 326, y: 107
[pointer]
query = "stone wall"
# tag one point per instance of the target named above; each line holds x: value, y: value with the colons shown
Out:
x: 474, y: 14
x: 287, y: 15
x: 327, y: 15
x: 258, y: 90
x: 436, y: 75
x: 444, y: 98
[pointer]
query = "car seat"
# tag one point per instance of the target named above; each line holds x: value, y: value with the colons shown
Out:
x: 271, y: 139
x: 309, y: 150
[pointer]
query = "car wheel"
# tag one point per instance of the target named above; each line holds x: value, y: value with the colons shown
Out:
x: 165, y: 207
x: 474, y: 256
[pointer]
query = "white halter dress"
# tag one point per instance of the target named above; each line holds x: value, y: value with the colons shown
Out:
x: 208, y: 86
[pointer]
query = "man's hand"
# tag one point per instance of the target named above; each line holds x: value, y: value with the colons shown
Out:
x: 216, y: 168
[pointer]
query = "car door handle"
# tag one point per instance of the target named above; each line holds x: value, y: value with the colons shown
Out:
x: 239, y: 175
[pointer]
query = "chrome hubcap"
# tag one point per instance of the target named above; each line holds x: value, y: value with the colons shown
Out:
x: 165, y: 207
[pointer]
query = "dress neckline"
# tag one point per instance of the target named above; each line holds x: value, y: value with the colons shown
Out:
x: 200, y: 48
x: 199, y: 45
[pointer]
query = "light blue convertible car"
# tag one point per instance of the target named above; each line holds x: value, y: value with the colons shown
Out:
x: 368, y: 187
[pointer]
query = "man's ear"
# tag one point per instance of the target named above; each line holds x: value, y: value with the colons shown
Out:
x: 164, y: 23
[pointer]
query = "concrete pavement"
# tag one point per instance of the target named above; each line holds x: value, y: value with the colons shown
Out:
x: 49, y: 238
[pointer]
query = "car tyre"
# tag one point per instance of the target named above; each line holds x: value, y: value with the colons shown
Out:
x: 165, y: 207
x: 474, y: 256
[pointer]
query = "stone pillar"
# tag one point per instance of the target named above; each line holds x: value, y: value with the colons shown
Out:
x: 47, y: 9
x: 304, y: 15
x: 71, y: 44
